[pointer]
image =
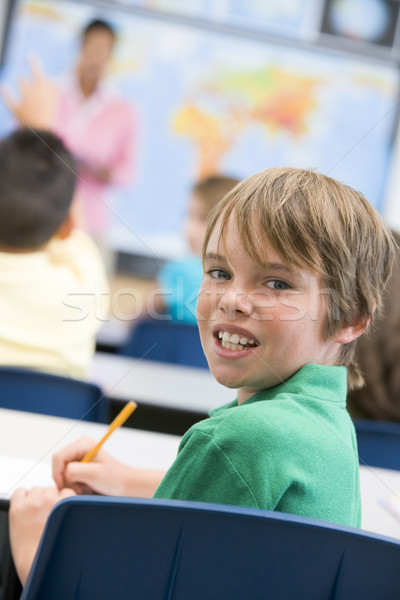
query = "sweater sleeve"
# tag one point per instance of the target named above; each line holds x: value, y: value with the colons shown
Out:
x: 203, y: 472
x: 78, y: 263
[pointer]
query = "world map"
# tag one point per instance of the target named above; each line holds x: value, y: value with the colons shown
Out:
x: 209, y: 101
x: 276, y: 100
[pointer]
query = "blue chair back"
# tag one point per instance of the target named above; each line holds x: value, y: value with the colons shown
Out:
x: 166, y: 341
x: 378, y: 443
x: 37, y: 392
x: 108, y: 548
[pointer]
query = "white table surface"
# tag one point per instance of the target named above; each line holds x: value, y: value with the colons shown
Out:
x: 379, y: 488
x: 170, y: 386
x: 36, y: 437
x: 114, y: 332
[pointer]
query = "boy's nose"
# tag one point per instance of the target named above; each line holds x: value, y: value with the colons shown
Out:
x: 234, y: 300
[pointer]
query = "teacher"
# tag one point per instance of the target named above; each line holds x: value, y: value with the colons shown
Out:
x: 96, y: 124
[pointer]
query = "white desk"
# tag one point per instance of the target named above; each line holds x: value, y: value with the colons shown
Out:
x: 113, y: 333
x: 377, y: 487
x: 37, y: 437
x: 169, y: 386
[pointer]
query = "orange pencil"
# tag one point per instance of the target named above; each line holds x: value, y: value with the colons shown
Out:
x: 118, y: 421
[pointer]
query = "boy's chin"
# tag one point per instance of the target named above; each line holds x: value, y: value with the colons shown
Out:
x: 226, y: 379
x: 237, y: 381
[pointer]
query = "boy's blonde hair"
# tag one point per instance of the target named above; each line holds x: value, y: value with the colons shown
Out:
x: 313, y: 220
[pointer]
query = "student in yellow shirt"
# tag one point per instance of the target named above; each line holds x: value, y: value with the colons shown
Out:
x: 53, y: 288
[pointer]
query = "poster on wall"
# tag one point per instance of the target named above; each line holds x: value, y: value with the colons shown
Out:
x: 208, y: 101
x: 370, y: 21
x: 295, y: 19
x: 5, y: 18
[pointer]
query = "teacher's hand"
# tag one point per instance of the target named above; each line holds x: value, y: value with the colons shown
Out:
x: 38, y: 102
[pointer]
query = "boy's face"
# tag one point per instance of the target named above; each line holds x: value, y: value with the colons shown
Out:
x: 196, y: 224
x: 271, y: 319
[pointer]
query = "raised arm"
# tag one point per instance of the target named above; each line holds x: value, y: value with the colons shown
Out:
x: 38, y: 101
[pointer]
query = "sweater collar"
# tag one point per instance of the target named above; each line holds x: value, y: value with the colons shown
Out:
x: 22, y: 260
x: 327, y: 383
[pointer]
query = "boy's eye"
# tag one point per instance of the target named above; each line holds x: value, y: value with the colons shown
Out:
x: 277, y: 284
x: 219, y: 274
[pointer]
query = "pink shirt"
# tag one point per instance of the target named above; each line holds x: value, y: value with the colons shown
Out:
x: 100, y: 132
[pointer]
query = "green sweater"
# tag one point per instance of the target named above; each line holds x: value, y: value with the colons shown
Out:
x: 291, y: 448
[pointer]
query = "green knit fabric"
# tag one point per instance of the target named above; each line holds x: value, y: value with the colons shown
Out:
x: 291, y: 448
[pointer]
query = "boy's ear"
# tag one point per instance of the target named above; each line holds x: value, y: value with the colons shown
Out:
x: 66, y: 227
x: 353, y: 331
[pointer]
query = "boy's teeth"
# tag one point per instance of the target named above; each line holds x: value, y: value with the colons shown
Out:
x: 234, y: 341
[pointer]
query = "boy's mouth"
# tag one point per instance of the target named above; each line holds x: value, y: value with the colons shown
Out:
x: 235, y: 341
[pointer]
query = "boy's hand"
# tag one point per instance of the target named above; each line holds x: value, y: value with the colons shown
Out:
x: 29, y: 511
x: 102, y: 475
x: 39, y: 99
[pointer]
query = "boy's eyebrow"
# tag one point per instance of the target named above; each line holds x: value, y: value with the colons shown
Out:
x: 281, y: 267
x: 272, y: 266
x: 215, y: 256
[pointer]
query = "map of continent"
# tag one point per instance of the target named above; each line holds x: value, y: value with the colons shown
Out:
x: 276, y: 100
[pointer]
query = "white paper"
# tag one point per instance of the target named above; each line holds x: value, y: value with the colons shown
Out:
x: 22, y: 473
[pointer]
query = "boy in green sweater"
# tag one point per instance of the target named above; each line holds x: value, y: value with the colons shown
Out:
x: 295, y: 265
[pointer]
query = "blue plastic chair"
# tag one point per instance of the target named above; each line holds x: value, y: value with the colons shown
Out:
x: 378, y: 443
x: 120, y: 548
x: 166, y: 341
x: 37, y: 392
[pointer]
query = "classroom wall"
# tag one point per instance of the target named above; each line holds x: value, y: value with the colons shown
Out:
x: 4, y: 7
x: 289, y: 92
x: 391, y: 208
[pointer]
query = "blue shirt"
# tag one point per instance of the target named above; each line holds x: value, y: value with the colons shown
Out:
x: 180, y: 281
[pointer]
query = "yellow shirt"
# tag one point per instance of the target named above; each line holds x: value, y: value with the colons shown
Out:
x: 52, y: 303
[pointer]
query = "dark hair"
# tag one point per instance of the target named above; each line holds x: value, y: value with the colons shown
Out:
x: 37, y: 181
x: 98, y: 25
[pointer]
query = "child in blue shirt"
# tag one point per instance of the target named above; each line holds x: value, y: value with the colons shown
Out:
x: 179, y: 280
